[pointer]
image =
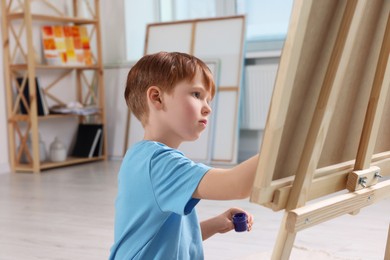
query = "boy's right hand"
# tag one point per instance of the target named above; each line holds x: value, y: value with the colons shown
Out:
x: 225, y: 220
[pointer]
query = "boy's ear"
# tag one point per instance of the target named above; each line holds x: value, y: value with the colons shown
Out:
x: 154, y: 95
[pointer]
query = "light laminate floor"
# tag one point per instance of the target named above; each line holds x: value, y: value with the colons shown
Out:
x: 67, y: 213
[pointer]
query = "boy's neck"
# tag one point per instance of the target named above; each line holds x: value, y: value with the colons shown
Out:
x: 159, y: 136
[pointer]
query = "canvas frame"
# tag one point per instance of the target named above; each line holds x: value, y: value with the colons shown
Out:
x: 328, y: 124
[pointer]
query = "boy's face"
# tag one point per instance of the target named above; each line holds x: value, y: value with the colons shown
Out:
x: 187, y: 109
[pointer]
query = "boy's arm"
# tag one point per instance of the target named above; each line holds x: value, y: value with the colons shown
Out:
x: 210, y: 227
x: 228, y: 184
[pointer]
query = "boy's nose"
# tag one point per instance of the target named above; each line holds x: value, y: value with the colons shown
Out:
x: 206, y: 109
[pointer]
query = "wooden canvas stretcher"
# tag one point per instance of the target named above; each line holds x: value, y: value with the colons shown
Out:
x: 328, y: 128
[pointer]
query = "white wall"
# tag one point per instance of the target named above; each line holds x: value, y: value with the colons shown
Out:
x: 113, y: 45
x: 116, y: 67
x: 113, y: 32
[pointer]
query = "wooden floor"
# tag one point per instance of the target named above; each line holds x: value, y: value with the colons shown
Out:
x: 67, y: 213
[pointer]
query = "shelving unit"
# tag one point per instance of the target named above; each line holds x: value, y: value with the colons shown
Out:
x: 20, y: 22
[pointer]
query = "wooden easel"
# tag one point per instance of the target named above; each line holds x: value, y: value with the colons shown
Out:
x: 328, y: 117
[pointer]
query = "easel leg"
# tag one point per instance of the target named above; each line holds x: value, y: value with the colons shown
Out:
x: 284, y: 242
x: 387, y: 250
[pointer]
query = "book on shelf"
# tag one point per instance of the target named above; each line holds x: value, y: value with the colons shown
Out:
x: 66, y: 45
x: 83, y: 111
x: 42, y: 106
x: 89, y: 141
x: 94, y: 144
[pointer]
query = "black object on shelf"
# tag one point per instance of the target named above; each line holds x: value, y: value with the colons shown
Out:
x: 88, y: 141
x: 42, y: 106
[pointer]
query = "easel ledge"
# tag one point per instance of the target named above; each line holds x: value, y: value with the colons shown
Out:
x: 324, y: 210
x: 326, y: 180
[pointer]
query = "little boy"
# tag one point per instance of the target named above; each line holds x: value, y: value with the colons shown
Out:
x: 158, y: 187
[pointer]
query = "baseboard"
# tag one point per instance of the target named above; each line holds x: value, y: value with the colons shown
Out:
x: 4, y: 168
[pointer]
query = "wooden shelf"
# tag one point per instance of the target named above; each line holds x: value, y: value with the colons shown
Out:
x: 49, y: 165
x: 27, y: 117
x: 18, y: 29
x: 50, y: 18
x: 53, y: 67
x: 54, y: 116
x: 50, y: 116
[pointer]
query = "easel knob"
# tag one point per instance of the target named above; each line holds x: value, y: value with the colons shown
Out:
x: 363, y: 182
x: 358, y: 180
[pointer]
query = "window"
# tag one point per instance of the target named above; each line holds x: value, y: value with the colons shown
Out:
x: 173, y: 10
x: 267, y: 21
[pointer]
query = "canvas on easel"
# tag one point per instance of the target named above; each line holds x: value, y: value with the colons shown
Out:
x: 329, y: 121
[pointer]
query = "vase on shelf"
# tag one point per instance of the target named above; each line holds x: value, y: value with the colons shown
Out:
x: 57, y: 151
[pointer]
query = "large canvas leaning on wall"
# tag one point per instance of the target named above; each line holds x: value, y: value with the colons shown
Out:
x: 219, y: 42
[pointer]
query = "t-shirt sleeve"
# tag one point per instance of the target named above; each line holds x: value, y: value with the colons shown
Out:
x: 174, y: 179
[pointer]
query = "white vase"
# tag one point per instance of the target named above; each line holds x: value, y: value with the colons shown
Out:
x: 57, y: 151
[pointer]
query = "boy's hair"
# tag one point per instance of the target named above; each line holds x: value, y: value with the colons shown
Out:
x: 164, y: 70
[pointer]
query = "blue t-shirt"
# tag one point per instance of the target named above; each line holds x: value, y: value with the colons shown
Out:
x: 155, y: 216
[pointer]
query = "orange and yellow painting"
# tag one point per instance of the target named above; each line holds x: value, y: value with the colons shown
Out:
x: 66, y: 45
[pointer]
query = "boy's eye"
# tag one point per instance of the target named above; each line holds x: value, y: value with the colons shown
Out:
x: 196, y: 94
